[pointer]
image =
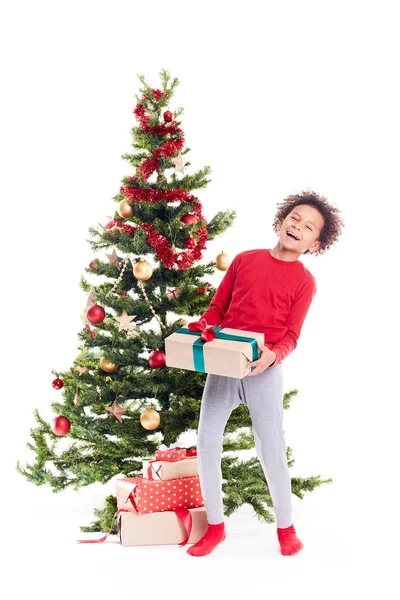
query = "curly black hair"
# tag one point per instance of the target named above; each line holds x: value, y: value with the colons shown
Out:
x: 333, y: 221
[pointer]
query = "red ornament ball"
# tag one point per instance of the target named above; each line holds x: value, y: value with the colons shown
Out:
x: 95, y: 314
x: 91, y: 264
x: 157, y: 359
x: 60, y: 425
x: 190, y: 243
x: 168, y: 116
x: 189, y: 219
x: 57, y: 384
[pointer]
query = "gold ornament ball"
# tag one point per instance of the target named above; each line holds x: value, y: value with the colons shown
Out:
x: 107, y: 365
x: 124, y: 209
x: 223, y: 261
x: 150, y: 419
x: 142, y: 270
x: 180, y: 323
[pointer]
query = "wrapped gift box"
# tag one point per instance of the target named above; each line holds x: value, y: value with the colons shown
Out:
x: 228, y: 354
x: 160, y: 528
x: 165, y: 471
x: 141, y: 495
x: 171, y: 454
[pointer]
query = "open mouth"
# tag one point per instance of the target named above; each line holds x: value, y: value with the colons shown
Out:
x: 292, y: 235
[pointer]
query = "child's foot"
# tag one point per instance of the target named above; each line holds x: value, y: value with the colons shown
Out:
x: 214, y: 535
x: 288, y: 540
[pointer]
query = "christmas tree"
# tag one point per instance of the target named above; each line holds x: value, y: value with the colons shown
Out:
x: 118, y: 401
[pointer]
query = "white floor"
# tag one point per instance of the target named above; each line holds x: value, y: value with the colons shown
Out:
x: 43, y: 560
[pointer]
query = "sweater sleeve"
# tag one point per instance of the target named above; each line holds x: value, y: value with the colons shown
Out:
x: 295, y: 320
x: 222, y: 297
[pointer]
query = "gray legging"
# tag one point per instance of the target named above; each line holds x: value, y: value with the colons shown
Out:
x: 263, y: 396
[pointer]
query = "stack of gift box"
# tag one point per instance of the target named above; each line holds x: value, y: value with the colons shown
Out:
x: 165, y: 505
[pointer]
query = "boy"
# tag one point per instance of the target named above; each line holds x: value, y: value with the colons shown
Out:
x: 268, y: 291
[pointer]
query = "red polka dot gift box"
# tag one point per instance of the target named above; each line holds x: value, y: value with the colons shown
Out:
x: 143, y: 496
x: 171, y: 454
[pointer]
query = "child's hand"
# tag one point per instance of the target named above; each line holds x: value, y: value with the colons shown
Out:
x: 266, y: 359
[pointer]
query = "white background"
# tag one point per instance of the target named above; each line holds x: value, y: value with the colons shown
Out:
x: 278, y: 97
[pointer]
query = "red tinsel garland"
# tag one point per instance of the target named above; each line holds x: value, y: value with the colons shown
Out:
x: 167, y: 256
x: 149, y: 165
x: 158, y: 94
x: 140, y: 114
x: 136, y: 193
x: 147, y: 168
x: 168, y: 149
x: 129, y: 229
x: 139, y: 194
x: 158, y: 129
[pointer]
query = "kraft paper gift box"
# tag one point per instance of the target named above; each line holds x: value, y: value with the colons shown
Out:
x: 142, y: 495
x: 228, y: 354
x: 164, y: 471
x: 160, y: 528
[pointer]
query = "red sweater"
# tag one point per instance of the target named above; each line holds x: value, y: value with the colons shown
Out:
x: 264, y: 294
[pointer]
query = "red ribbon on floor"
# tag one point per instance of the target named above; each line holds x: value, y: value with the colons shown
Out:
x: 103, y: 539
x: 185, y: 517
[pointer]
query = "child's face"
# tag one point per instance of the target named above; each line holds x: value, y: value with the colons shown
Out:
x: 306, y: 223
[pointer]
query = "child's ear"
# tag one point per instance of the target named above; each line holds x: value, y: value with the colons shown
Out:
x: 314, y: 246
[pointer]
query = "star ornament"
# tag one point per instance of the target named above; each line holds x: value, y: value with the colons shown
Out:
x: 91, y: 297
x: 124, y: 321
x: 116, y: 411
x: 113, y: 258
x: 179, y: 163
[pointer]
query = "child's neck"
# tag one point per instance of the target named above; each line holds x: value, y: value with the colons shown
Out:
x: 284, y: 255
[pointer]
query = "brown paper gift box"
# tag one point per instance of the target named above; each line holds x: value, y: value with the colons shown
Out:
x: 160, y: 528
x: 221, y: 357
x: 164, y: 471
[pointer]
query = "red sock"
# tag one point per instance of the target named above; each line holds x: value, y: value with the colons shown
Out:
x: 214, y: 535
x: 289, y: 542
